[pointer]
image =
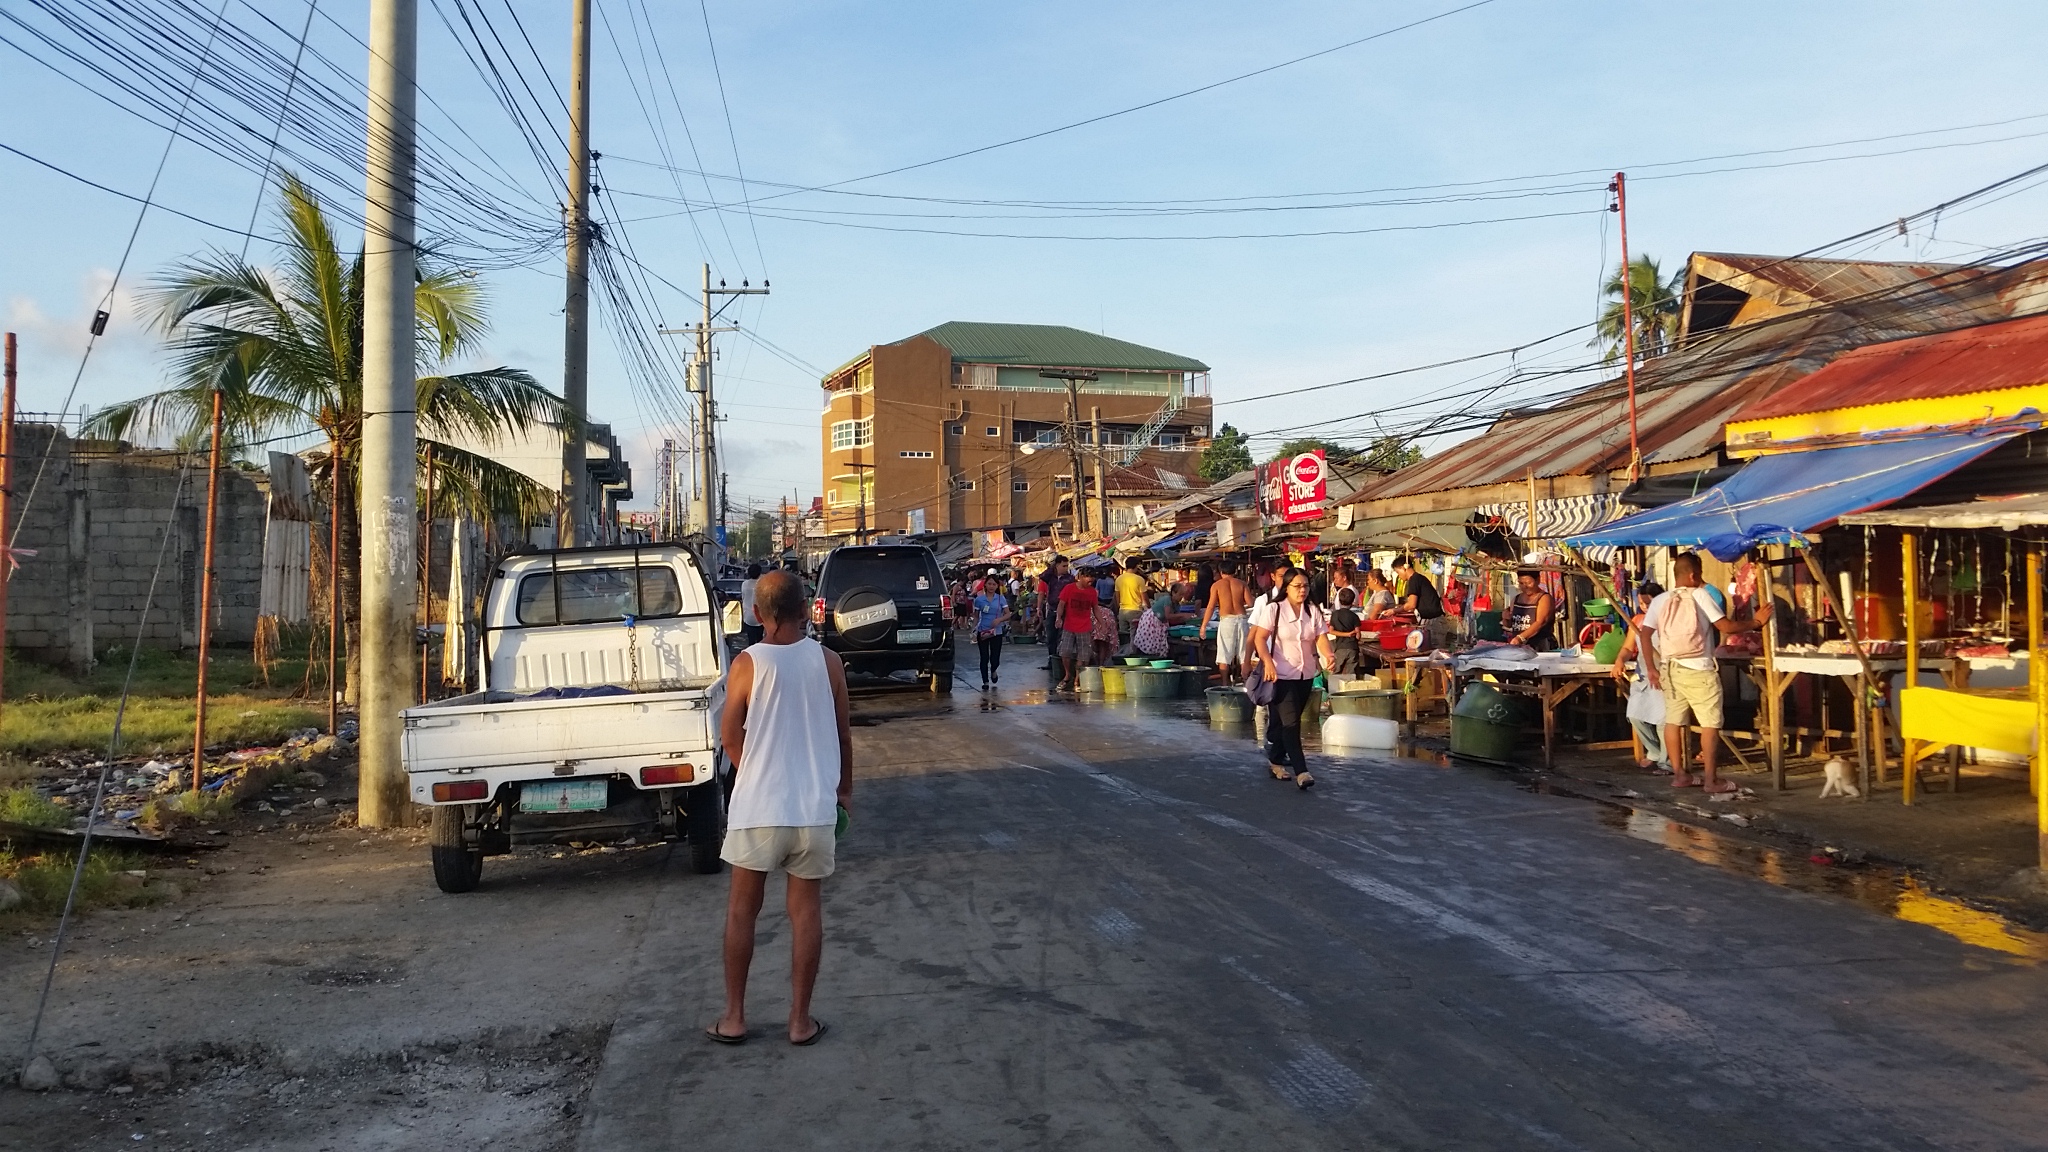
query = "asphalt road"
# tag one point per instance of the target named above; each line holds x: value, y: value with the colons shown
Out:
x: 1083, y: 926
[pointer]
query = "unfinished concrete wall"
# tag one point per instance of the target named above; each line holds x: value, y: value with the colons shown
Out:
x: 97, y: 522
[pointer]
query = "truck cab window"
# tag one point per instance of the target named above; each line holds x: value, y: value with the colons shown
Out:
x: 598, y: 595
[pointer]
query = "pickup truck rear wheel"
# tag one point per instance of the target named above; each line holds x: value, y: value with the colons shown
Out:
x: 704, y: 826
x: 458, y: 866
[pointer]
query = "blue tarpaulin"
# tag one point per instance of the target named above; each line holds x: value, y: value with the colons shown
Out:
x: 1175, y: 541
x: 1776, y: 498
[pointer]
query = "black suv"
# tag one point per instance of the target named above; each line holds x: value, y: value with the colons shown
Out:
x: 884, y: 609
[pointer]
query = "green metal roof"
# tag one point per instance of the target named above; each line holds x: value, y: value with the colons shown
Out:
x: 1053, y: 346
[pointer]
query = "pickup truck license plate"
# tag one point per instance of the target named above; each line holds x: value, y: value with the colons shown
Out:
x: 565, y: 796
x: 913, y: 635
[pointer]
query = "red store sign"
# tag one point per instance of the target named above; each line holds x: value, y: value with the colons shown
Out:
x: 1293, y: 489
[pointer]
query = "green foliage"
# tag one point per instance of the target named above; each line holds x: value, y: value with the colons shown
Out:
x: 45, y: 877
x: 1229, y: 452
x: 48, y: 711
x: 25, y: 805
x: 1654, y: 304
x: 1392, y: 453
x: 756, y: 538
x: 1334, y: 452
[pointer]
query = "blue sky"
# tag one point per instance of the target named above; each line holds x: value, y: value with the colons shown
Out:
x: 827, y: 91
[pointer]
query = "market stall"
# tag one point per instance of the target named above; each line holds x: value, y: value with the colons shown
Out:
x: 1773, y: 503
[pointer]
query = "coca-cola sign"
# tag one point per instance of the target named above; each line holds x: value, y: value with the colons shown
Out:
x: 1293, y: 489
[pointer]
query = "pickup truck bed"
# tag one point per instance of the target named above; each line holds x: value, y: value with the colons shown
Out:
x: 505, y: 737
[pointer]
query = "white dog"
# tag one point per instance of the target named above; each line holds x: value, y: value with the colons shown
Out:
x: 1839, y: 780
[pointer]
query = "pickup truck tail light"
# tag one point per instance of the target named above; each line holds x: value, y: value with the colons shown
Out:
x: 461, y: 790
x: 818, y: 612
x: 655, y: 774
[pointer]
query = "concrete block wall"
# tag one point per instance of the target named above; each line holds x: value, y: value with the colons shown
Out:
x: 97, y: 523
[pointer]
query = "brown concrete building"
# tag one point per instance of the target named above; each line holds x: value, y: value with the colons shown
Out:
x: 961, y: 428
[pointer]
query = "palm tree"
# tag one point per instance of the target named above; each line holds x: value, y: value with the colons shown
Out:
x: 284, y: 349
x: 1654, y: 302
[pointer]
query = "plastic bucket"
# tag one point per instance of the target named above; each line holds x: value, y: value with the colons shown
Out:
x: 1113, y: 679
x: 1151, y: 683
x: 1229, y: 706
x: 1193, y: 681
x: 1378, y: 703
x: 1091, y: 679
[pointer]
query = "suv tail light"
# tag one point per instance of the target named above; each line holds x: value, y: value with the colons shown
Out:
x: 818, y: 611
x: 461, y: 790
x: 945, y: 606
x: 655, y: 774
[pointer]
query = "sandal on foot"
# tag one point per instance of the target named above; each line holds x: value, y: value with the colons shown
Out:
x: 1279, y: 773
x: 1721, y: 788
x: 723, y: 1037
x: 815, y: 1036
x: 1304, y: 781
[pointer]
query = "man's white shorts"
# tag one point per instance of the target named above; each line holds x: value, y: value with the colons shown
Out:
x: 1230, y: 634
x: 806, y: 853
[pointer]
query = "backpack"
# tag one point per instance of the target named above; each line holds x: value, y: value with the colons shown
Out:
x: 1680, y: 629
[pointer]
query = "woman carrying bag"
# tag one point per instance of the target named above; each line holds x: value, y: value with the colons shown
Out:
x: 1291, y: 642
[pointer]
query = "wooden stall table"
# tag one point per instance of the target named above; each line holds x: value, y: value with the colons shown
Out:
x: 1869, y: 723
x: 1549, y: 679
x: 1416, y: 676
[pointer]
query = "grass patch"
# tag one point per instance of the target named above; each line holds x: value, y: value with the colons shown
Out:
x: 52, y: 711
x: 44, y: 878
x: 28, y: 806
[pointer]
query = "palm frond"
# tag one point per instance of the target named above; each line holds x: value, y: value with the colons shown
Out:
x: 486, y: 405
x: 482, y: 488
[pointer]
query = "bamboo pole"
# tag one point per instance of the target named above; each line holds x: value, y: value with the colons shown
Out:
x: 427, y: 572
x: 1909, y: 549
x: 1862, y: 658
x: 2034, y: 660
x: 1774, y: 701
x: 205, y: 602
x: 333, y: 585
x: 6, y: 493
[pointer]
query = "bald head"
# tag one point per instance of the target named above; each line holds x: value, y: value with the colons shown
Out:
x: 779, y: 598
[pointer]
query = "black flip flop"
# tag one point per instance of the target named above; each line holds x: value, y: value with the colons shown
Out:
x: 814, y: 1037
x: 723, y: 1038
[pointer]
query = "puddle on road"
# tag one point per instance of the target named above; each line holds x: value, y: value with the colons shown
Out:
x: 1887, y: 891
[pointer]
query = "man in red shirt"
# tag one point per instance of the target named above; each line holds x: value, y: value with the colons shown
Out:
x: 1077, y: 631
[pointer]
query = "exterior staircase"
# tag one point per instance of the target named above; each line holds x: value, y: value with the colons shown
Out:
x: 1144, y: 435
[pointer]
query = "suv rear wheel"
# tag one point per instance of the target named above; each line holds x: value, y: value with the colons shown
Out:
x: 942, y: 683
x: 458, y: 866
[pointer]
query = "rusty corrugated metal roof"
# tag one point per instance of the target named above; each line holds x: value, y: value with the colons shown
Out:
x: 1826, y: 281
x: 1988, y: 357
x: 1685, y: 398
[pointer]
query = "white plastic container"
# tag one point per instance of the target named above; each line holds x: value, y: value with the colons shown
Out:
x: 1360, y: 732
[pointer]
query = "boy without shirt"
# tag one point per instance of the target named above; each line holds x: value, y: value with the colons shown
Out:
x: 1229, y: 598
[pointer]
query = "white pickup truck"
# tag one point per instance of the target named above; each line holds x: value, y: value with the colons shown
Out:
x: 595, y: 721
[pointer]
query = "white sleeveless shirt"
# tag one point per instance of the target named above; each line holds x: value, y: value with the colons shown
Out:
x: 789, y: 766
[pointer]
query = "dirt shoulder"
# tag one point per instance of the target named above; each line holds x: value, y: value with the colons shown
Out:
x: 306, y: 986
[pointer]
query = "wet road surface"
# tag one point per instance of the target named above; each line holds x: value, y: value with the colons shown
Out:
x: 1098, y: 926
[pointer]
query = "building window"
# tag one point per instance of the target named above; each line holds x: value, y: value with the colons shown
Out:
x: 992, y: 430
x: 963, y: 485
x: 1020, y: 485
x: 1062, y: 483
x: 956, y: 430
x: 1171, y: 440
x: 908, y: 455
x: 853, y: 433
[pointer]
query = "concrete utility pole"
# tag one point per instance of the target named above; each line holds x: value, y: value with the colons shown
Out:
x: 569, y: 527
x: 711, y: 494
x: 1101, y: 493
x: 1074, y: 377
x: 389, y: 455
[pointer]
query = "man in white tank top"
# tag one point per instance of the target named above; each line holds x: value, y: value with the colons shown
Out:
x: 785, y: 727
